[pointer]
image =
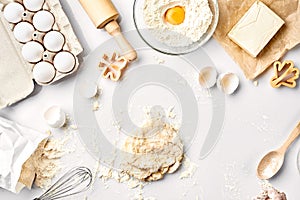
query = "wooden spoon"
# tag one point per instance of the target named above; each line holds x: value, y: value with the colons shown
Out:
x: 271, y: 163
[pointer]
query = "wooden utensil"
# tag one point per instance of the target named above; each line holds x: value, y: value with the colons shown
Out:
x: 104, y: 15
x: 272, y: 162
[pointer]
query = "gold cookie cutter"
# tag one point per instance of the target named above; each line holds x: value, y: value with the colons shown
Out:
x: 285, y: 74
x: 113, y: 66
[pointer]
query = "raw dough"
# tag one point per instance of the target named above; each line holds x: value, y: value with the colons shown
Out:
x: 155, y: 154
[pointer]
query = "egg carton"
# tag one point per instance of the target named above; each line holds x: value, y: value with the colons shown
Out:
x: 42, y: 36
x: 17, y: 73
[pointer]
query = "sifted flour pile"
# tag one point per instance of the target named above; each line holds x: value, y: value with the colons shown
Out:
x: 198, y: 18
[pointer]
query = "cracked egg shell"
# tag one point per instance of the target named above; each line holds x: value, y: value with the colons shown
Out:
x: 43, y: 21
x: 55, y: 117
x: 43, y: 72
x: 228, y: 83
x: 23, y: 32
x: 208, y: 77
x: 32, y: 51
x: 33, y: 5
x: 64, y: 62
x: 54, y: 41
x: 13, y: 12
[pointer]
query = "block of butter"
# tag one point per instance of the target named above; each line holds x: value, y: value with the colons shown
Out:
x: 256, y: 28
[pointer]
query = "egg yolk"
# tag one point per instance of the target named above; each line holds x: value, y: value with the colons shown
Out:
x: 175, y: 15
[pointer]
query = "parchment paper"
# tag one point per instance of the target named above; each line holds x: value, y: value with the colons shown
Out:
x: 288, y: 36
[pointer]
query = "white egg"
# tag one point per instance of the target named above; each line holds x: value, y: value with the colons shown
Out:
x: 54, y: 41
x: 228, y: 83
x: 43, y: 72
x: 43, y: 21
x: 32, y: 51
x: 55, y: 117
x: 23, y: 32
x: 13, y: 12
x: 208, y: 77
x: 64, y: 62
x: 33, y: 5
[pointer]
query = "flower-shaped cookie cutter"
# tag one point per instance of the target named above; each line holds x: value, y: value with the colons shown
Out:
x: 285, y: 74
x: 113, y: 66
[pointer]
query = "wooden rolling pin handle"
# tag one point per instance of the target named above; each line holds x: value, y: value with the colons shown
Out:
x: 114, y: 30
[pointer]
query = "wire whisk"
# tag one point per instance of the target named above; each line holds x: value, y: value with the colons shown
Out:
x: 75, y: 181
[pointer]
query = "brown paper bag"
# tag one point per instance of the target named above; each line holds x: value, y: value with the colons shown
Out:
x: 288, y: 36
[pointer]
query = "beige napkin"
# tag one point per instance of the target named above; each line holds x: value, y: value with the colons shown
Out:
x: 288, y: 36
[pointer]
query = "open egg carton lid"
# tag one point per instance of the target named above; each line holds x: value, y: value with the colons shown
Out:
x: 16, y: 74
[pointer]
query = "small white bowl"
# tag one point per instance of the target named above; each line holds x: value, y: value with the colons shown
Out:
x: 148, y: 37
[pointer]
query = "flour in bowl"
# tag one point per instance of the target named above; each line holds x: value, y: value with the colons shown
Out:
x: 177, y: 23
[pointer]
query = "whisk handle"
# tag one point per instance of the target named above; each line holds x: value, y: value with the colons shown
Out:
x: 36, y: 199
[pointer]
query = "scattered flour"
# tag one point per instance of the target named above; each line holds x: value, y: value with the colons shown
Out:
x: 190, y: 168
x: 95, y: 99
x: 96, y: 105
x: 44, y: 163
x: 171, y: 114
x: 255, y: 83
x: 159, y: 60
x: 232, y: 188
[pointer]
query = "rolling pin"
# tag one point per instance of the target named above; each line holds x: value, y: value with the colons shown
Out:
x: 104, y: 15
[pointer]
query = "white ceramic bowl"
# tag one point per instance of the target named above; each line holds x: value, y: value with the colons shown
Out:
x: 152, y: 41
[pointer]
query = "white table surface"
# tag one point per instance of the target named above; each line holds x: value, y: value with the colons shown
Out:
x: 258, y: 119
